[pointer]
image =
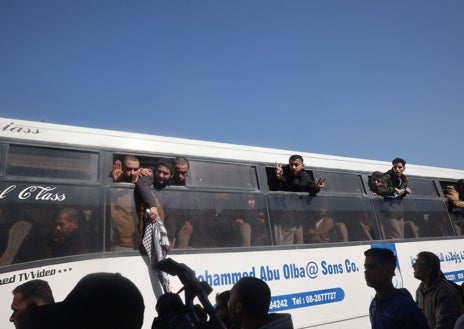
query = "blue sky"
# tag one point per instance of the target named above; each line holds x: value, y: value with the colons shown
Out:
x: 361, y: 78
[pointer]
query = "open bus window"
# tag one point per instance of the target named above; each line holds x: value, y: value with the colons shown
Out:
x: 145, y: 162
x: 53, y: 163
x: 272, y: 180
x: 334, y: 182
x: 454, y: 203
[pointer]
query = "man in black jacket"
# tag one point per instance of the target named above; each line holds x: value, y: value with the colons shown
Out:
x: 294, y: 178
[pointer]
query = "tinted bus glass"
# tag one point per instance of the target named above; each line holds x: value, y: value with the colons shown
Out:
x: 216, y: 219
x: 340, y: 182
x: 3, y: 148
x: 422, y: 218
x: 29, y: 213
x: 53, y: 163
x: 125, y: 229
x: 303, y: 219
x: 222, y: 175
x: 423, y: 187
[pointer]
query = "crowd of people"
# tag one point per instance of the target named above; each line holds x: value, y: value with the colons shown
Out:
x: 109, y: 300
x: 438, y: 302
x: 112, y: 301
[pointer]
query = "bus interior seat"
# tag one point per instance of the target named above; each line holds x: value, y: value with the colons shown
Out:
x: 410, y: 229
x: 341, y: 232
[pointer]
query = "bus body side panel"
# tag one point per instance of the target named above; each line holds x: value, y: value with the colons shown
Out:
x: 320, y: 287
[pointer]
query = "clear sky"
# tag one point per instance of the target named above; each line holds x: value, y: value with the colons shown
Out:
x: 362, y: 78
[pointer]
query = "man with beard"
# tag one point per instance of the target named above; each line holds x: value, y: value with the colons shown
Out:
x: 294, y: 178
x: 69, y: 238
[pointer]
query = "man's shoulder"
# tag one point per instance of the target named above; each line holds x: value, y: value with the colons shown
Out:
x: 445, y: 286
x: 396, y: 298
x: 278, y: 321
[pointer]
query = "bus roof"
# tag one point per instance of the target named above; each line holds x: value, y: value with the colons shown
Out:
x: 129, y: 142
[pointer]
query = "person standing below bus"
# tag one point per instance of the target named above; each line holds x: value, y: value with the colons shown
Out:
x: 221, y: 308
x: 293, y: 178
x: 70, y: 237
x: 455, y: 195
x: 393, y: 188
x: 98, y: 301
x: 26, y: 296
x: 391, y: 308
x: 440, y: 302
x: 459, y: 322
x: 249, y: 303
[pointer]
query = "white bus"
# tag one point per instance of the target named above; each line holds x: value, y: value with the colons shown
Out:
x: 47, y: 167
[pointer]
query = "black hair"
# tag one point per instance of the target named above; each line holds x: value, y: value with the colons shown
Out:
x: 432, y: 261
x: 296, y: 157
x: 385, y: 256
x: 165, y: 162
x: 399, y: 160
x: 35, y: 290
x: 255, y: 296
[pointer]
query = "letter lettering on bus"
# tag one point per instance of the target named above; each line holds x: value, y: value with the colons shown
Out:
x: 42, y: 194
x: 6, y: 191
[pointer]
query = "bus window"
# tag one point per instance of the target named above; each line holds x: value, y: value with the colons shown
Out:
x: 302, y: 219
x: 3, y: 149
x: 422, y: 187
x: 272, y: 180
x: 222, y: 176
x: 125, y: 228
x: 454, y: 204
x: 340, y: 182
x: 30, y: 227
x: 429, y: 216
x: 213, y: 220
x: 355, y: 216
x: 417, y: 217
x: 43, y: 162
